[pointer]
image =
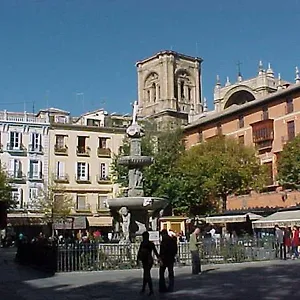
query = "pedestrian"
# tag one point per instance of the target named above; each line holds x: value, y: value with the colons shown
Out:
x: 279, y: 238
x: 145, y: 255
x: 167, y: 254
x: 196, y: 262
x: 295, y: 242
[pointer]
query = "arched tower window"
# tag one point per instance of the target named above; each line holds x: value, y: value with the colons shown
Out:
x: 151, y: 88
x: 183, y: 86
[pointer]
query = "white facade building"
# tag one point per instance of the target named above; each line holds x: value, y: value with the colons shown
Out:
x: 25, y: 154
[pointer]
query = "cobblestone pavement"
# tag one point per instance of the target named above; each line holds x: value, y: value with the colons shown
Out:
x: 258, y: 280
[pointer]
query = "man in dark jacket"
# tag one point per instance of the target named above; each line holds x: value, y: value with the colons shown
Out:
x: 168, y: 251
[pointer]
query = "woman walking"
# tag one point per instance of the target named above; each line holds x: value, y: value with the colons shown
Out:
x: 146, y: 257
x: 295, y: 242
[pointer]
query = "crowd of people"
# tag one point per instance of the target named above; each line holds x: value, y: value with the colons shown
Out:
x: 287, y: 242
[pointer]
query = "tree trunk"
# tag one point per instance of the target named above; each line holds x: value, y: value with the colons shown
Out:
x: 224, y: 202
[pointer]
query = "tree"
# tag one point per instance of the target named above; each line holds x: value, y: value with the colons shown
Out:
x: 54, y: 202
x: 6, y: 200
x: 289, y: 164
x: 159, y: 178
x: 217, y: 168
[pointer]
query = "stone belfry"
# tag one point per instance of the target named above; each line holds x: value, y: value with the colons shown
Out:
x: 169, y: 87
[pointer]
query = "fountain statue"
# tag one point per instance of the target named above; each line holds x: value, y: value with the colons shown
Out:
x: 135, y: 213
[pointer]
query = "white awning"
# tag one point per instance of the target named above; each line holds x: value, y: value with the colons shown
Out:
x: 100, y: 221
x: 232, y: 218
x: 281, y: 218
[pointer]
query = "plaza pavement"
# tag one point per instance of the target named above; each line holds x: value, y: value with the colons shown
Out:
x: 258, y: 280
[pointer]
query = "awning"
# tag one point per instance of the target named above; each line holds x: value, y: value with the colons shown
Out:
x: 25, y: 221
x: 281, y: 218
x: 232, y: 218
x: 100, y: 221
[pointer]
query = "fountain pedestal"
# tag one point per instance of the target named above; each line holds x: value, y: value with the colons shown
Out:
x: 132, y: 213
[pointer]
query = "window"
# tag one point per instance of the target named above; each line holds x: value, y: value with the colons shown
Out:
x: 35, y: 141
x: 81, y: 202
x: 265, y: 114
x: 241, y: 121
x: 15, y: 140
x: 189, y: 93
x: 103, y: 171
x: 16, y: 196
x: 33, y: 193
x: 82, y: 171
x: 60, y: 141
x: 93, y: 122
x: 269, y: 167
x: 35, y: 169
x: 241, y: 140
x: 200, y: 136
x: 291, y: 130
x: 102, y: 142
x: 219, y: 129
x: 81, y: 144
x: 15, y: 168
x: 60, y: 170
x: 182, y: 89
x: 289, y: 105
x: 102, y: 202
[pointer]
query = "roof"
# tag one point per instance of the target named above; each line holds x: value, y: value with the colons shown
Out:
x: 170, y: 52
x: 232, y: 218
x: 239, y: 108
x: 53, y: 110
x: 282, y: 218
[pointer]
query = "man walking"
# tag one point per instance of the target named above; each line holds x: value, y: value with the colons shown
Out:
x: 168, y: 251
x: 280, y: 247
x: 196, y: 263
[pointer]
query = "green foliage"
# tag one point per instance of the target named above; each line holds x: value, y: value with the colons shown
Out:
x: 53, y: 201
x: 5, y: 189
x: 289, y: 164
x: 217, y: 168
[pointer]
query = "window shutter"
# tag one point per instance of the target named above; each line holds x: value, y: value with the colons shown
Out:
x: 105, y: 170
x: 11, y: 166
x: 31, y: 140
x: 39, y: 141
x: 87, y: 171
x: 40, y: 169
x: 20, y: 197
x: 20, y: 140
x: 76, y: 171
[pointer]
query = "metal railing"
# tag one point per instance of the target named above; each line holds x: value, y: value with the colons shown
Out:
x: 102, y: 256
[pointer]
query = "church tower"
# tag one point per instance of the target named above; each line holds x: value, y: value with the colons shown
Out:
x: 169, y: 87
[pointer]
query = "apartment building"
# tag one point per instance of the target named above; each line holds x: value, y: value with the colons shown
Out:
x: 266, y: 122
x: 24, y: 153
x: 81, y: 152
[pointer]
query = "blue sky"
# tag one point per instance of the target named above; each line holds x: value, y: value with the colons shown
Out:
x: 50, y: 50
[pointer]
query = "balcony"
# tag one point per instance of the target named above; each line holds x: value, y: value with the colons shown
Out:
x: 103, y: 179
x: 35, y: 176
x: 37, y: 149
x: 16, y: 150
x: 61, y: 178
x: 103, y: 152
x: 17, y: 177
x: 83, y: 151
x: 264, y: 145
x: 263, y: 131
x: 60, y: 150
x: 82, y: 179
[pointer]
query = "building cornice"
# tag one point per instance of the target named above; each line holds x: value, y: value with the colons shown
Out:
x: 170, y: 52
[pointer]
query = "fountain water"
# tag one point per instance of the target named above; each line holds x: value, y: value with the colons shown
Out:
x: 135, y: 212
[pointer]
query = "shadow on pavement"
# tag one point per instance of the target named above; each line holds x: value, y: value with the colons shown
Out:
x: 267, y: 280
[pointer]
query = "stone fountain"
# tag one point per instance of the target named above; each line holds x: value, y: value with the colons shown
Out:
x: 135, y: 213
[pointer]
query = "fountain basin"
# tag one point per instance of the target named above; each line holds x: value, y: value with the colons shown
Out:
x: 140, y: 203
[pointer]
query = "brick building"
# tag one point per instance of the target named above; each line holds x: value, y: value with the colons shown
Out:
x: 265, y: 116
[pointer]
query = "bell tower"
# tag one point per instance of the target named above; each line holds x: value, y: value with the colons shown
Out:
x: 169, y: 87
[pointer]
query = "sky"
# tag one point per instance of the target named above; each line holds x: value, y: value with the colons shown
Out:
x: 80, y: 55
